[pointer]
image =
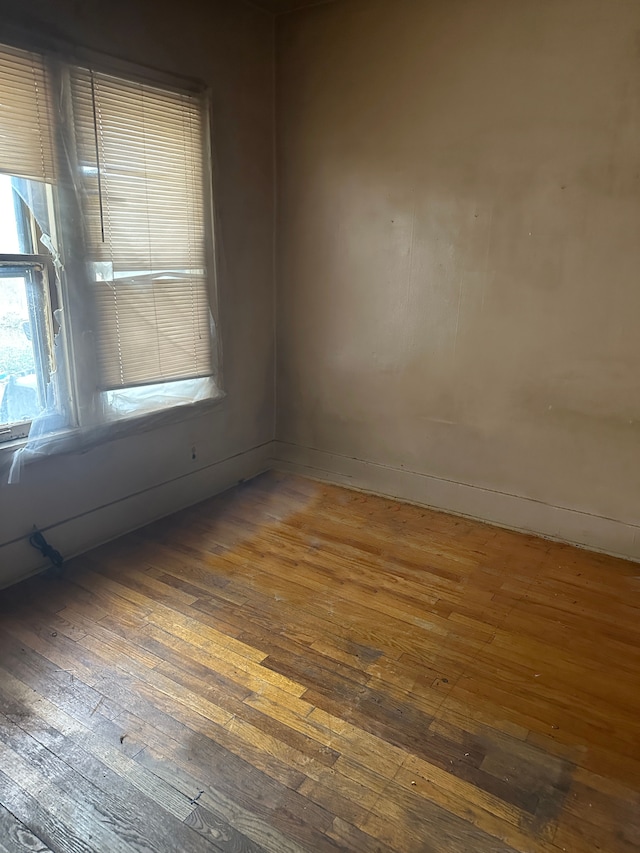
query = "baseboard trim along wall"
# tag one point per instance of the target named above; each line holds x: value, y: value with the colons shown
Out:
x: 76, y: 535
x: 594, y: 532
x: 73, y: 536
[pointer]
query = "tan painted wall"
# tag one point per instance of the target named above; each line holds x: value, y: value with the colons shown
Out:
x: 121, y: 484
x: 459, y: 243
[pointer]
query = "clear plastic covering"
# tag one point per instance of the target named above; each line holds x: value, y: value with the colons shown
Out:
x: 127, y: 348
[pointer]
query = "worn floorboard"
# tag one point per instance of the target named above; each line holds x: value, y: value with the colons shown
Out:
x: 293, y: 667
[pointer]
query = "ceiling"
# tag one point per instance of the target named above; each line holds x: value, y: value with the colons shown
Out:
x: 278, y: 7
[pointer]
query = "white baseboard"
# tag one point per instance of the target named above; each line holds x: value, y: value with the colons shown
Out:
x: 594, y: 532
x: 18, y: 560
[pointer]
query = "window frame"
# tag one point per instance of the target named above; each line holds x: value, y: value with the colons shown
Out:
x: 77, y: 351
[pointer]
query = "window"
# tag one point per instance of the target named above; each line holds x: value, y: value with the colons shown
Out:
x: 105, y: 245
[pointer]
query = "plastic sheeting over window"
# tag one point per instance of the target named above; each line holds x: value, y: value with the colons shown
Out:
x: 130, y: 242
x: 140, y: 160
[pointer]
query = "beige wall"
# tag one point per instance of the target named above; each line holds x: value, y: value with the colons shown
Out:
x: 459, y: 248
x: 93, y: 496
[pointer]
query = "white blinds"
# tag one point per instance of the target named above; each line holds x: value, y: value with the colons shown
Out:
x: 153, y: 330
x: 140, y: 156
x: 26, y: 135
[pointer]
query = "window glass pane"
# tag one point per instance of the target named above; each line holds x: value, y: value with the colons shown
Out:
x: 24, y: 215
x: 20, y: 362
x: 9, y: 238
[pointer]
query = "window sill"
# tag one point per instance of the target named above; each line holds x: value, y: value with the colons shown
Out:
x: 76, y: 439
x: 12, y: 445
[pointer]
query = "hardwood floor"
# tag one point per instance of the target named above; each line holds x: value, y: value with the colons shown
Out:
x: 294, y: 667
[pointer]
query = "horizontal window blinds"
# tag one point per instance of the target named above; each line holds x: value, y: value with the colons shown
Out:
x: 153, y: 331
x: 26, y: 136
x: 140, y: 157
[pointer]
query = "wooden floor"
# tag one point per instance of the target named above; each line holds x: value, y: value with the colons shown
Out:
x: 297, y: 667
